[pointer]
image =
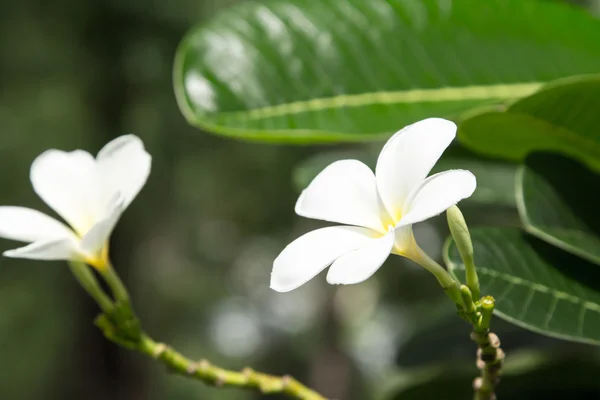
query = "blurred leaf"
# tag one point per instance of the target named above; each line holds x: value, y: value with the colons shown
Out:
x: 555, y: 200
x: 536, y: 285
x: 562, y: 117
x: 495, y: 179
x: 526, y: 375
x: 317, y: 71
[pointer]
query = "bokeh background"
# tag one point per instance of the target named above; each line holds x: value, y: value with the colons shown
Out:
x: 196, y: 247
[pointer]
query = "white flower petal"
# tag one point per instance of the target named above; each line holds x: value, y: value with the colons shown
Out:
x: 27, y: 225
x: 404, y: 240
x: 57, y: 249
x: 358, y: 265
x: 407, y: 158
x: 67, y: 182
x: 308, y: 255
x: 124, y: 165
x: 438, y: 193
x: 344, y: 192
x: 95, y: 239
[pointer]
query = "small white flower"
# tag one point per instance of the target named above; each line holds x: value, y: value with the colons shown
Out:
x: 381, y: 208
x: 89, y: 194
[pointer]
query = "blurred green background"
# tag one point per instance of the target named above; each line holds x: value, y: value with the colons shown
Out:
x: 196, y: 247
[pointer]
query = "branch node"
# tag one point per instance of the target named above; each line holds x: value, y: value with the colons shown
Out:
x: 192, y: 368
x: 159, y: 350
x: 480, y: 364
x: 494, y: 340
x: 220, y: 381
x: 203, y: 365
x: 247, y: 372
x: 500, y: 355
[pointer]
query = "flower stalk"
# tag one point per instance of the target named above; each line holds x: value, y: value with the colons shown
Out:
x: 117, y: 287
x: 446, y: 281
x: 88, y: 281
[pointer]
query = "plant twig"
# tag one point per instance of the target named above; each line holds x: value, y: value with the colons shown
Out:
x: 213, y: 375
x: 490, y: 356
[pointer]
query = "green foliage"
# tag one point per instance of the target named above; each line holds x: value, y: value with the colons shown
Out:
x: 536, y: 285
x: 306, y: 71
x: 558, y: 203
x: 562, y: 117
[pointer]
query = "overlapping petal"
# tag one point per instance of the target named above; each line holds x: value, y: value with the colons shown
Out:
x: 66, y: 181
x: 311, y: 253
x: 407, y: 159
x: 438, y: 193
x: 27, y: 225
x: 56, y: 249
x: 360, y: 264
x: 124, y: 166
x: 95, y: 239
x: 344, y: 192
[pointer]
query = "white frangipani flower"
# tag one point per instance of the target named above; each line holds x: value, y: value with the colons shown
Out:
x: 380, y: 208
x: 89, y: 193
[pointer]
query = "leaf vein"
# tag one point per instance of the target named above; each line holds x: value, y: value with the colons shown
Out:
x: 588, y: 305
x: 489, y: 92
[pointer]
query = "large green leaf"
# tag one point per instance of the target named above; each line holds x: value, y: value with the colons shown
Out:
x: 495, y: 179
x: 563, y: 117
x: 559, y: 202
x: 536, y: 285
x: 305, y: 70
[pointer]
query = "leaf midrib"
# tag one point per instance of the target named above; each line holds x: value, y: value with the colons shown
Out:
x: 482, y: 92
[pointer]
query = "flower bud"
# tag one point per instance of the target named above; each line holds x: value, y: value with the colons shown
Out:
x: 462, y: 238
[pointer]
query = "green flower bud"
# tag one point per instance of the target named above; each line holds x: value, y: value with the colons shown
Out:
x: 462, y: 238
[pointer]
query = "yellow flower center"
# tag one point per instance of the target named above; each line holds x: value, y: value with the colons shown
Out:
x: 100, y: 260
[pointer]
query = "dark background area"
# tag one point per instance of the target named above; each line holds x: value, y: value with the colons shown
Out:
x: 196, y: 247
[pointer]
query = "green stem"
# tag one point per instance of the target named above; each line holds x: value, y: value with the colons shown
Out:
x: 467, y: 298
x: 490, y: 356
x: 446, y: 281
x: 114, y: 282
x: 88, y: 281
x: 213, y: 375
